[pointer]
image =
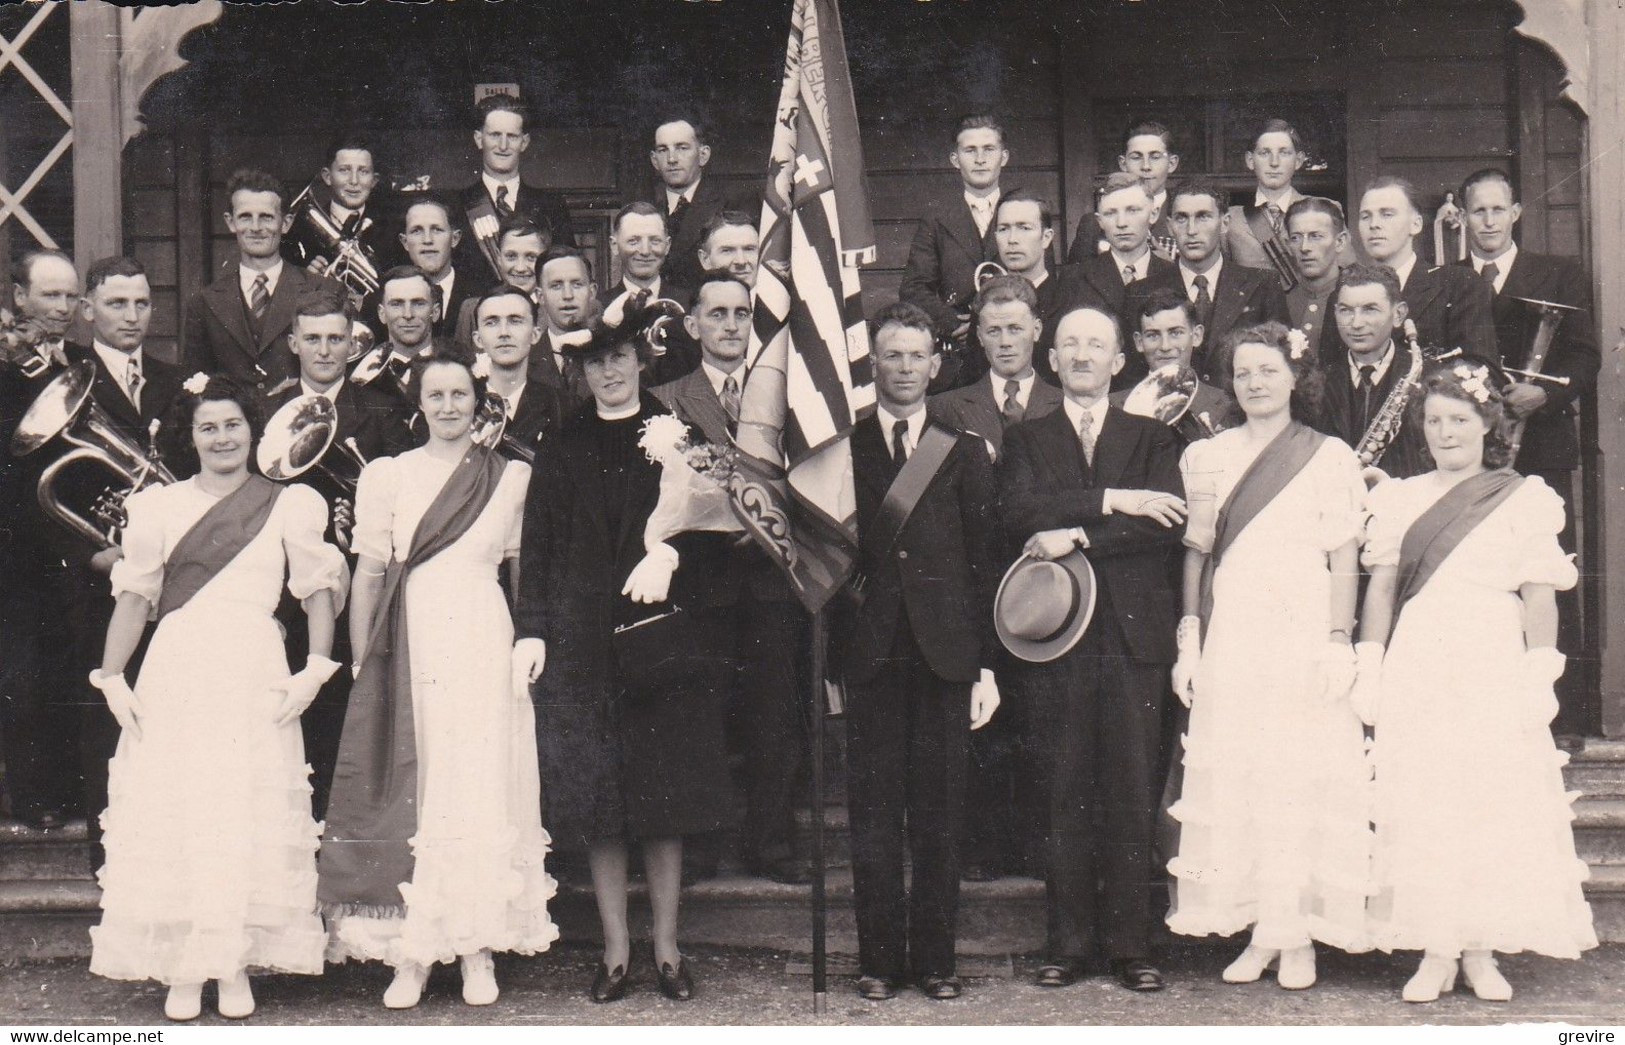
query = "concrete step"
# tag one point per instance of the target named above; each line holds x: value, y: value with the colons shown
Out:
x: 1599, y: 831
x: 31, y: 854
x: 1598, y: 769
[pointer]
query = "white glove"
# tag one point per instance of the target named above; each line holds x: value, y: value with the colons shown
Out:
x: 1190, y: 657
x: 984, y: 699
x: 529, y: 657
x: 1539, y: 673
x: 1366, y: 695
x: 1334, y: 671
x: 121, y: 700
x: 650, y: 580
x: 301, y: 687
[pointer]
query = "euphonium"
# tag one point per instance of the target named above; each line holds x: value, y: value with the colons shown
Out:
x: 348, y: 259
x: 1165, y: 394
x: 297, y: 439
x: 64, y: 408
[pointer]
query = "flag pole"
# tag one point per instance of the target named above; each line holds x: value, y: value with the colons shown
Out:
x: 820, y: 958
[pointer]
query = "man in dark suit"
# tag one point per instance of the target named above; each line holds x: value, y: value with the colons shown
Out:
x: 238, y: 325
x: 499, y: 193
x: 430, y: 237
x: 1226, y: 295
x: 39, y: 728
x: 686, y: 199
x: 729, y: 242
x: 917, y: 654
x: 999, y: 827
x: 348, y: 197
x: 956, y: 233
x: 1091, y: 476
x: 1024, y: 229
x: 1123, y: 212
x: 134, y: 390
x: 370, y: 424
x: 1167, y: 333
x: 1319, y: 235
x: 1149, y: 158
x: 638, y: 232
x: 767, y: 621
x: 505, y: 331
x: 521, y: 245
x: 569, y: 304
x: 1450, y: 308
x: 1549, y: 447
x: 1369, y: 309
x: 407, y: 307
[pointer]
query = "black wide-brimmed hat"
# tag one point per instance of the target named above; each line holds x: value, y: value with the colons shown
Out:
x: 633, y: 323
x: 1043, y: 607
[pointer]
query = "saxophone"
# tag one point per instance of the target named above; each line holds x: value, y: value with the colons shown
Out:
x: 1385, y: 426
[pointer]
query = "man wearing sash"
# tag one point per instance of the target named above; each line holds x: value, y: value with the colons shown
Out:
x: 1369, y: 309
x: 918, y: 653
x: 1168, y: 334
x: 500, y: 193
x: 1091, y: 476
x: 521, y: 246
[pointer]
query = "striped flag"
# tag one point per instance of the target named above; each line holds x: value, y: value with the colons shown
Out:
x: 809, y: 376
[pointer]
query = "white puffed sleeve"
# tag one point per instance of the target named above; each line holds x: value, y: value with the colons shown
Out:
x: 313, y: 564
x: 1198, y: 467
x: 141, y: 571
x: 1341, y: 495
x: 1386, y: 524
x: 515, y: 482
x: 1537, y: 519
x: 375, y: 492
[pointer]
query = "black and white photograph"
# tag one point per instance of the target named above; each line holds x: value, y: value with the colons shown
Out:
x: 812, y: 513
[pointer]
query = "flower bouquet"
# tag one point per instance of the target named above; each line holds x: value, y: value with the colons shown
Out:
x: 694, y: 480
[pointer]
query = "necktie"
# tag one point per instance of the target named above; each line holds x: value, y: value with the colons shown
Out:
x: 678, y: 211
x: 1204, y: 300
x: 400, y: 369
x: 1491, y: 272
x: 1274, y: 213
x: 899, y: 442
x: 504, y: 208
x: 1128, y: 274
x: 1368, y: 381
x: 1086, y: 437
x: 730, y: 402
x: 440, y: 300
x: 133, y: 382
x: 259, y: 297
x: 981, y: 213
x: 352, y: 226
x: 1013, y: 410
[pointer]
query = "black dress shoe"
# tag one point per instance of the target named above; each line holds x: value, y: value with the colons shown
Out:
x: 1060, y: 974
x: 876, y: 988
x: 607, y: 985
x: 787, y: 870
x: 1137, y: 974
x: 941, y: 988
x: 980, y: 873
x: 675, y: 983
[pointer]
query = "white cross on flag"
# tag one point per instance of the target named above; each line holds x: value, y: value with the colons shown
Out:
x: 809, y: 376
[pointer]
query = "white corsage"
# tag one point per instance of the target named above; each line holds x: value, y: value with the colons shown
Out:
x: 1297, y: 343
x: 482, y: 366
x: 693, y: 482
x: 196, y: 383
x: 1473, y: 381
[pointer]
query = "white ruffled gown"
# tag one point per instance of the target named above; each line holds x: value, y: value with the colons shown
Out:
x: 211, y: 849
x: 478, y: 880
x: 1274, y: 812
x: 1475, y: 845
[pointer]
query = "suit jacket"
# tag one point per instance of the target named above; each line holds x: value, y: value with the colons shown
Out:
x: 570, y: 384
x: 1102, y: 285
x: 976, y: 410
x: 547, y: 209
x: 1086, y: 239
x: 745, y: 566
x: 939, y: 275
x: 1451, y: 308
x: 469, y: 282
x: 537, y: 416
x: 1045, y: 484
x: 1345, y: 416
x: 1549, y: 441
x: 939, y: 573
x: 1243, y: 296
x: 1211, y: 400
x: 711, y: 198
x: 25, y: 533
x: 217, y: 337
x: 1249, y: 225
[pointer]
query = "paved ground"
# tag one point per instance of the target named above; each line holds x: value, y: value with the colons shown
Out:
x: 751, y: 987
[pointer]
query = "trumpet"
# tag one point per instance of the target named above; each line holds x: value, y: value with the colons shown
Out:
x: 65, y: 408
x: 348, y: 259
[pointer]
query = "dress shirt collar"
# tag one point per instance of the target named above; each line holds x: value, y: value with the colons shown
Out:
x: 1159, y: 204
x: 511, y: 182
x: 632, y: 288
x: 1212, y: 274
x: 1503, y: 265
x: 118, y: 363
x: 1142, y: 264
x: 1291, y: 196
x: 1383, y: 364
x: 445, y: 283
x: 1022, y: 396
x: 672, y: 196
x: 246, y: 277
x: 619, y: 415
x: 1097, y: 413
x: 331, y: 395
x: 1404, y: 270
x: 341, y: 214
x: 719, y: 377
x: 888, y: 421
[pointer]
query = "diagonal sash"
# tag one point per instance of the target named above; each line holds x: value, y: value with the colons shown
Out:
x: 365, y: 854
x: 214, y: 540
x: 485, y: 225
x: 1270, y: 473
x: 1436, y: 532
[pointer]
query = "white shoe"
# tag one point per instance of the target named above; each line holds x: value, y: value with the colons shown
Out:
x: 1250, y: 965
x: 407, y: 986
x: 479, y: 979
x: 185, y: 1001
x: 236, y: 999
x: 1484, y: 977
x: 1297, y: 969
x: 1435, y: 976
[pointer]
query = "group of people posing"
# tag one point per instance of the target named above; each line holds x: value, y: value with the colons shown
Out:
x: 495, y: 640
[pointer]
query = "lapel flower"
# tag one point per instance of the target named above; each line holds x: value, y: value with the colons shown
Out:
x: 1297, y: 343
x: 196, y: 383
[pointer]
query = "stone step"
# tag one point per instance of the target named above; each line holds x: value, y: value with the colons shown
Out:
x: 1599, y: 831
x: 32, y: 854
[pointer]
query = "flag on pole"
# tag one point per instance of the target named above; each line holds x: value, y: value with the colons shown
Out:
x: 809, y: 377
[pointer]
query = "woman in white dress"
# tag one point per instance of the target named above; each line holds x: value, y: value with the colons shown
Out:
x: 1474, y: 847
x: 210, y: 844
x: 1273, y: 811
x: 434, y: 845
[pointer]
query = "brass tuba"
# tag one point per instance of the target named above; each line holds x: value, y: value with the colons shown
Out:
x: 348, y: 259
x: 297, y: 439
x: 64, y: 408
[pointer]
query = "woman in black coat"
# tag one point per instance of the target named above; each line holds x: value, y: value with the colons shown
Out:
x: 629, y: 715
